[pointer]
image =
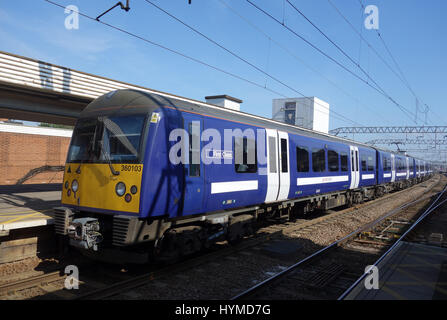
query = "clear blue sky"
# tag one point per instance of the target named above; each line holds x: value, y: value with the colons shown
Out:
x: 414, y: 30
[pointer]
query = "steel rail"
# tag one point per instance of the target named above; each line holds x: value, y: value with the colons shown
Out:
x: 423, y: 216
x: 5, y: 289
x: 129, y: 284
x: 335, y: 244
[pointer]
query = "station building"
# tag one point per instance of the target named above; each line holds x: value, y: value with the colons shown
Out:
x: 32, y: 155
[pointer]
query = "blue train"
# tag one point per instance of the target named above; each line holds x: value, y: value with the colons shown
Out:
x: 149, y: 174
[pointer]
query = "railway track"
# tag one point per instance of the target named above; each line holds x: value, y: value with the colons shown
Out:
x: 328, y: 273
x: 117, y: 282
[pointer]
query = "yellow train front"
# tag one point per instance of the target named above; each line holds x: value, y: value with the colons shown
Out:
x: 103, y: 179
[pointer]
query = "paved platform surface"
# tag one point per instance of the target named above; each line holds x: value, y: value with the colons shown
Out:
x: 412, y: 272
x: 28, y: 205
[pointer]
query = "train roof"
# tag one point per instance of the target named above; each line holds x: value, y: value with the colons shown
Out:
x: 141, y: 98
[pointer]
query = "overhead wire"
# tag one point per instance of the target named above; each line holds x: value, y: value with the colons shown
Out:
x: 231, y: 52
x: 296, y: 57
x: 402, y: 108
x: 339, y: 116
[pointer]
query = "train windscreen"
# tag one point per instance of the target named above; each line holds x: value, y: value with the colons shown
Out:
x: 115, y: 139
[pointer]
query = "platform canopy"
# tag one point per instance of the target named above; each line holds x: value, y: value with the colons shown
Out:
x: 38, y: 91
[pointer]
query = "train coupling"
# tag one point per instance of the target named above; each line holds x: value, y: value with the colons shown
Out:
x: 84, y: 233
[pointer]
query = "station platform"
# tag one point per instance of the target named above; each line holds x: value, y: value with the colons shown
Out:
x: 25, y: 206
x: 412, y: 271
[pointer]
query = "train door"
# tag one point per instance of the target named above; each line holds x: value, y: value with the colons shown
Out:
x: 283, y: 167
x: 272, y: 165
x: 393, y: 168
x: 355, y: 173
x: 194, y: 172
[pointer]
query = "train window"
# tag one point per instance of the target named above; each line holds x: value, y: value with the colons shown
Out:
x: 385, y: 163
x: 302, y: 159
x: 272, y: 154
x: 364, y: 167
x: 194, y: 149
x: 248, y: 148
x: 332, y: 160
x: 356, y: 160
x: 344, y: 161
x: 352, y: 161
x: 370, y: 163
x: 318, y: 160
x: 284, y: 166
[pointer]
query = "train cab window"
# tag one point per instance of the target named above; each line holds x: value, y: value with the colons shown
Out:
x: 248, y: 163
x: 302, y: 159
x: 284, y: 166
x: 194, y: 149
x: 370, y: 163
x: 318, y: 160
x: 344, y: 161
x: 364, y: 166
x: 332, y: 160
x: 272, y: 154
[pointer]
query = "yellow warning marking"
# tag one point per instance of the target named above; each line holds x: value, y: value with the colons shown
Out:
x: 422, y: 282
x: 411, y: 265
x: 155, y: 117
x: 429, y: 252
x: 437, y: 266
x: 413, y: 283
x: 20, y: 218
x: 23, y: 212
x: 393, y: 293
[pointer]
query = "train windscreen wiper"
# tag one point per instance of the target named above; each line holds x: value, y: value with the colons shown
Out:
x: 90, y: 148
x: 107, y: 158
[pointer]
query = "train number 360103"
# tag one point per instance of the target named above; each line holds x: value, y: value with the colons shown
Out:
x: 131, y: 168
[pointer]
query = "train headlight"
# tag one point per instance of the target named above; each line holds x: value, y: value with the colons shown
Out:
x: 75, y: 185
x: 120, y: 189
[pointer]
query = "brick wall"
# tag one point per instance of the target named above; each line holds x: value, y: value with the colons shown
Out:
x: 19, y: 153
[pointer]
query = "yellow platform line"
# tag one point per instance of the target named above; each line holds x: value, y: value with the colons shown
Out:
x: 392, y: 293
x: 421, y: 282
x: 23, y: 212
x: 20, y: 218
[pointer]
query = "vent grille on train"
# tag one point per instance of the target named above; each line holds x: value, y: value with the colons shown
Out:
x: 62, y: 218
x: 120, y: 230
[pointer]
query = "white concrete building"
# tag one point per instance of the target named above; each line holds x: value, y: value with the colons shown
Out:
x: 225, y: 101
x: 308, y: 112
